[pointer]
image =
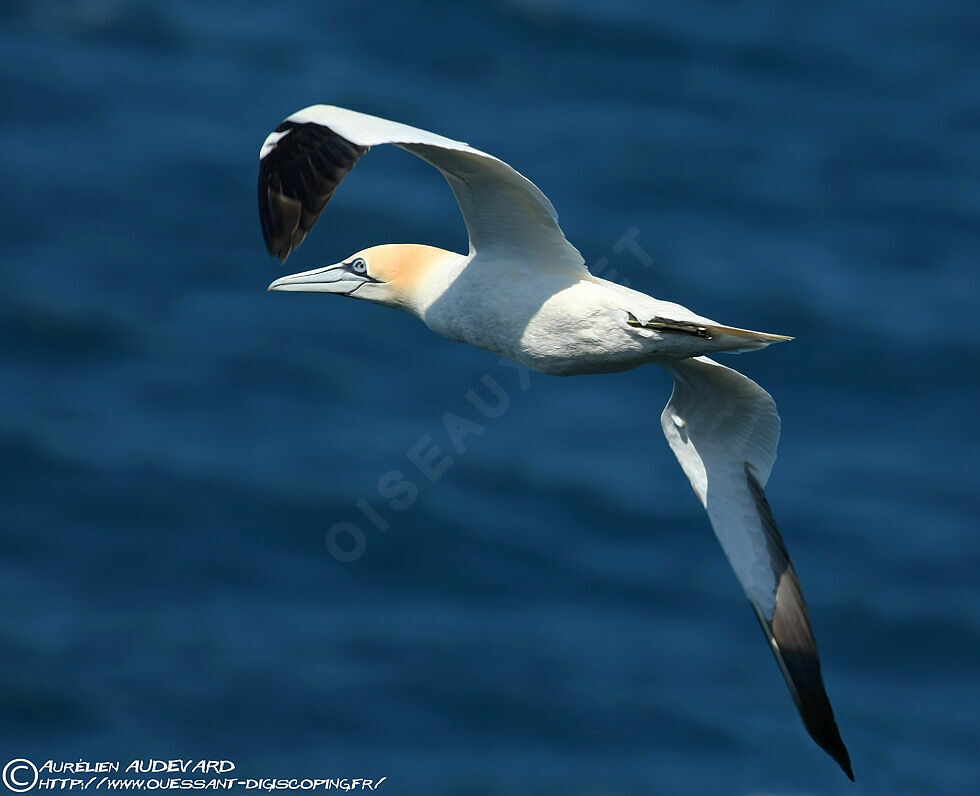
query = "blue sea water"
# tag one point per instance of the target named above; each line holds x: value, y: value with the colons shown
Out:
x: 185, y: 458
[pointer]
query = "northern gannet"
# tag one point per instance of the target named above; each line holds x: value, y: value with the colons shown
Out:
x: 523, y: 292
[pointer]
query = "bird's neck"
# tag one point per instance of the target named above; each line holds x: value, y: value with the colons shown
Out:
x: 428, y: 274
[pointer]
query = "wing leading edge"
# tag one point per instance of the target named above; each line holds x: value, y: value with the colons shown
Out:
x: 303, y: 161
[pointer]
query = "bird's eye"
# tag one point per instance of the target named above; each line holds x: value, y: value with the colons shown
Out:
x: 358, y: 266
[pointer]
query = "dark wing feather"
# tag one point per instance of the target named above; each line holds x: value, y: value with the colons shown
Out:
x: 724, y: 430
x: 297, y: 176
x: 791, y: 639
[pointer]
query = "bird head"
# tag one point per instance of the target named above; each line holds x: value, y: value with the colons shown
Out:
x: 395, y: 274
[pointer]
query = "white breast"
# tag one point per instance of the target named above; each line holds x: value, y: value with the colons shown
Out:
x: 550, y: 319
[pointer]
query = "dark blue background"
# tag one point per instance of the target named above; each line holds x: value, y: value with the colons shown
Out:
x: 553, y: 614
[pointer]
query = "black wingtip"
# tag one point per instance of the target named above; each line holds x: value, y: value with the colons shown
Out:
x: 836, y: 749
x: 280, y: 216
x: 829, y: 739
x: 842, y: 758
x: 832, y: 743
x: 792, y: 642
x: 800, y: 666
x: 839, y: 752
x: 298, y: 174
x: 797, y: 657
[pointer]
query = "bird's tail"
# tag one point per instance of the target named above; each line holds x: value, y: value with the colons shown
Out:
x: 731, y: 338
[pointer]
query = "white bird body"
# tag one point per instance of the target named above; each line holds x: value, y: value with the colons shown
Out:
x: 560, y: 323
x: 523, y: 292
x: 553, y: 319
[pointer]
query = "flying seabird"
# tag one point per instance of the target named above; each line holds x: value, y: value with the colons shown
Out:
x: 523, y: 292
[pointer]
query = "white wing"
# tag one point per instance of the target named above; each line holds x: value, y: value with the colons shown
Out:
x: 724, y: 429
x: 303, y: 161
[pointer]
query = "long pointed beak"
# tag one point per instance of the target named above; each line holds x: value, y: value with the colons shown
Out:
x: 332, y: 279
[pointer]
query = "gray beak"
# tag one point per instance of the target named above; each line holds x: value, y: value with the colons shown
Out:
x: 332, y: 279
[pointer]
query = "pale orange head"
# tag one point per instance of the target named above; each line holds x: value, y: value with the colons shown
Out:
x: 394, y: 274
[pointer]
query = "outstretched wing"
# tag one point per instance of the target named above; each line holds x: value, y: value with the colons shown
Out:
x: 303, y: 161
x: 724, y: 429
